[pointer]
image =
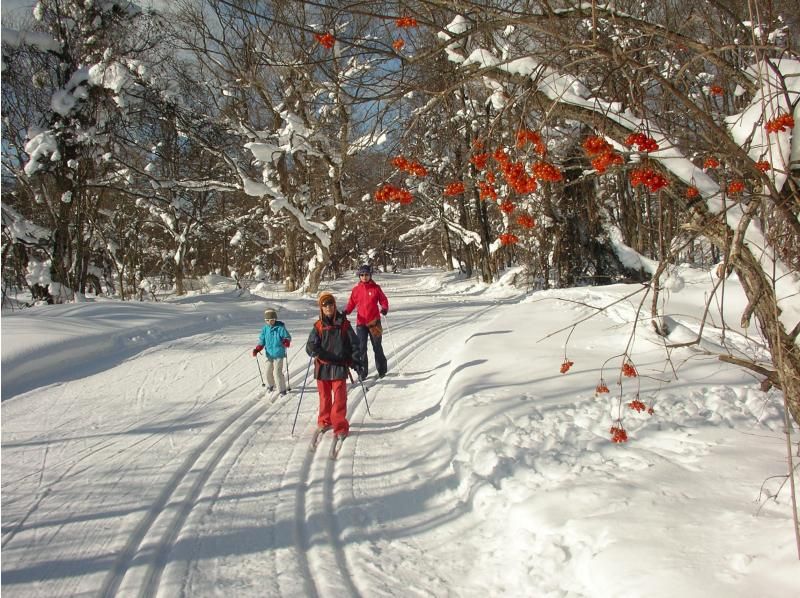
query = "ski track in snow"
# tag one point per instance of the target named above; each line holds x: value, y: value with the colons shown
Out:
x: 324, y: 565
x: 320, y: 556
x: 183, y: 489
x: 331, y: 483
x: 164, y: 550
x: 189, y: 483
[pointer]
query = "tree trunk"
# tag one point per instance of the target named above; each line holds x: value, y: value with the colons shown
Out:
x: 314, y: 275
x: 290, y: 275
x: 760, y: 293
x: 448, y: 247
x: 62, y: 246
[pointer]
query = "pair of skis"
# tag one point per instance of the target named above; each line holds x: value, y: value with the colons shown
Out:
x: 274, y: 395
x: 336, y: 445
x: 338, y: 440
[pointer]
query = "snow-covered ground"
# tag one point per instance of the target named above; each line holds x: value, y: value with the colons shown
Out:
x: 140, y: 455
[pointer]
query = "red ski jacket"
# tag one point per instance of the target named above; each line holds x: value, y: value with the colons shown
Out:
x: 365, y: 298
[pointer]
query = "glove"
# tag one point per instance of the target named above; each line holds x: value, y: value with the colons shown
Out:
x: 384, y: 312
x: 360, y: 370
x: 286, y: 342
x: 257, y: 349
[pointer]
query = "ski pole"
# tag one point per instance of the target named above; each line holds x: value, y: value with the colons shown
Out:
x: 302, y: 390
x: 259, y: 371
x: 288, y: 385
x: 362, y: 388
x: 365, y: 397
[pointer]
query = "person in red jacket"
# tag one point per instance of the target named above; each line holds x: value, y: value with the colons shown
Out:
x: 368, y: 299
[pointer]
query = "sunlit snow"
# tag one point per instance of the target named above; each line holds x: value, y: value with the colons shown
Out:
x: 142, y: 456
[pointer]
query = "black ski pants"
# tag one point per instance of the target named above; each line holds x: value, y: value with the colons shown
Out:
x: 377, y: 348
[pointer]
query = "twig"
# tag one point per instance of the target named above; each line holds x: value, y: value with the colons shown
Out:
x: 589, y: 317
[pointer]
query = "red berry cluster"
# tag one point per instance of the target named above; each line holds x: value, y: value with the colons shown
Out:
x: 392, y: 193
x: 525, y: 221
x: 544, y: 171
x: 517, y: 178
x: 602, y: 162
x: 524, y: 136
x: 406, y: 22
x: 418, y: 169
x: 716, y: 90
x: 628, y: 370
x: 618, y: 433
x: 409, y: 166
x: 479, y: 160
x: 566, y: 365
x: 398, y: 44
x: 648, y: 177
x: 452, y: 189
x: 507, y: 207
x: 508, y: 239
x: 637, y: 405
x: 594, y: 145
x: 710, y: 163
x: 604, y: 154
x: 487, y: 191
x: 763, y: 166
x: 645, y: 143
x: 601, y: 388
x: 692, y: 192
x: 780, y: 123
x: 500, y: 156
x: 326, y: 40
x: 735, y: 187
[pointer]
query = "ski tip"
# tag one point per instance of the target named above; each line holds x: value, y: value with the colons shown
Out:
x: 336, y: 446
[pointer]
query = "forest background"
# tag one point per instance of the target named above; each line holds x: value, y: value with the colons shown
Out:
x: 292, y: 140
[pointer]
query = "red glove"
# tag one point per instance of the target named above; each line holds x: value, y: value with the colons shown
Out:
x: 257, y: 349
x: 286, y: 342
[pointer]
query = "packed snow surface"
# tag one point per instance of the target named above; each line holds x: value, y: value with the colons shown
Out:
x: 141, y: 455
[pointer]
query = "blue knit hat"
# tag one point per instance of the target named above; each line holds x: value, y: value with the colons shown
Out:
x: 365, y: 269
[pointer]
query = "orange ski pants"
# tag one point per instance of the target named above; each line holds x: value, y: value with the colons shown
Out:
x: 333, y: 405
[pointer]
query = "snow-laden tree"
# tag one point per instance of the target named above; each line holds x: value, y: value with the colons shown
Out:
x: 489, y: 162
x: 286, y: 81
x: 61, y: 91
x: 693, y: 107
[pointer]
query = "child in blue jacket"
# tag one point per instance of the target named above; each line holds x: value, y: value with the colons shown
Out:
x: 274, y: 339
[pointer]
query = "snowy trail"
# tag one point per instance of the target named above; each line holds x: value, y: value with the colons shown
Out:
x: 335, y: 570
x: 172, y: 461
x: 479, y: 468
x: 125, y: 439
x: 316, y: 548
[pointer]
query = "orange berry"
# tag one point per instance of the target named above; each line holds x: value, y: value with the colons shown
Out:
x: 326, y: 40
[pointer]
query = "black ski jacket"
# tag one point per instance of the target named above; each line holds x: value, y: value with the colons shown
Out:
x: 334, y: 345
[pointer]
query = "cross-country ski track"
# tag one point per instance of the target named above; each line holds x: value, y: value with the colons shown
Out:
x: 202, y: 485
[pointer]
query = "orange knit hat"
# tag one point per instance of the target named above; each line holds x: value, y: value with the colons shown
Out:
x: 324, y: 297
